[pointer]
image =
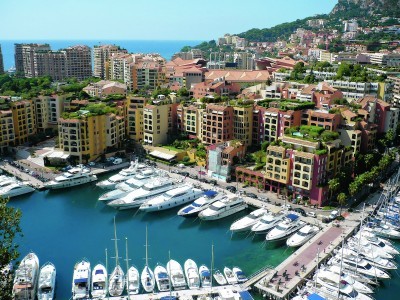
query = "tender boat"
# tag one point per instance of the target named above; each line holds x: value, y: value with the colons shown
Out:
x: 239, y: 275
x: 132, y: 281
x: 205, y: 276
x: 99, y: 282
x: 219, y: 277
x: 228, y: 205
x: 350, y: 279
x: 289, y: 225
x: 247, y: 222
x: 176, y: 274
x: 266, y: 223
x: 147, y: 276
x: 124, y: 188
x: 162, y: 279
x: 73, y: 177
x: 17, y: 188
x: 192, y: 274
x: 302, y: 236
x: 200, y: 204
x: 47, y: 282
x: 230, y: 277
x: 145, y: 193
x: 26, y: 278
x: 81, y: 280
x: 122, y: 176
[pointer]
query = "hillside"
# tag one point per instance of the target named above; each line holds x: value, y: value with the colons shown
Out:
x: 358, y: 8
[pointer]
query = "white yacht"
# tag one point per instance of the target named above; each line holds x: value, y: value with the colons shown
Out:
x: 386, y: 231
x: 248, y: 221
x: 16, y: 189
x: 239, y: 274
x: 132, y: 281
x: 178, y: 196
x: 302, y: 236
x: 334, y: 282
x: 367, y: 248
x: 219, y: 277
x: 6, y: 180
x: 146, y: 192
x: 228, y: 205
x: 122, y: 176
x: 147, y: 276
x: 205, y: 276
x: 379, y: 242
x: 26, y: 278
x: 361, y: 266
x: 176, y: 275
x: 116, y: 282
x: 99, y: 282
x: 266, y: 223
x: 47, y: 282
x: 192, y: 274
x: 73, y: 177
x: 350, y: 279
x: 162, y: 279
x: 290, y: 224
x: 81, y: 280
x: 371, y: 257
x: 200, y: 204
x: 230, y: 277
x: 124, y: 188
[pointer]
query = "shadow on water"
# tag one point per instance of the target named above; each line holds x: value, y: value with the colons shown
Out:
x: 275, y: 244
x: 189, y: 223
x: 124, y: 215
x: 159, y: 215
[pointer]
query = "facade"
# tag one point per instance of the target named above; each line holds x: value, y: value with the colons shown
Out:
x: 50, y: 63
x: 101, y: 57
x: 217, y: 125
x: 7, y: 136
x: 1, y: 62
x: 242, y: 124
x: 104, y: 88
x: 23, y: 113
x: 78, y: 62
x: 384, y: 59
x: 135, y: 118
x: 25, y: 58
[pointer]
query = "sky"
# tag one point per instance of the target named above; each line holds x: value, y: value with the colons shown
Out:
x: 147, y: 19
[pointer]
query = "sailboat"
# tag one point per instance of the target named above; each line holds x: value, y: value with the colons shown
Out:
x: 117, y: 280
x: 132, y: 276
x: 147, y: 276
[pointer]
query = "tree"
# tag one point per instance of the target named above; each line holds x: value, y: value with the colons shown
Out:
x: 9, y: 229
x: 333, y: 186
x: 341, y: 198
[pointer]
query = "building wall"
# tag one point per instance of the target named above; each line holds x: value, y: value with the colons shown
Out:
x: 217, y: 124
x: 7, y: 133
x: 157, y: 123
x: 24, y: 120
x: 135, y: 118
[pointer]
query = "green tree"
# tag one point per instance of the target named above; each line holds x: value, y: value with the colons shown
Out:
x: 9, y: 229
x: 333, y: 186
x: 341, y: 198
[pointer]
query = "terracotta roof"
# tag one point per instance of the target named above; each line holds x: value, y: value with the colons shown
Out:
x: 308, y: 89
x: 238, y: 75
x: 348, y: 114
x: 322, y: 115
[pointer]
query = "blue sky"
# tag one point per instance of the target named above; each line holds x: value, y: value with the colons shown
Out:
x: 147, y: 19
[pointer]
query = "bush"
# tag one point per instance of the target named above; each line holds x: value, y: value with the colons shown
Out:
x: 186, y: 159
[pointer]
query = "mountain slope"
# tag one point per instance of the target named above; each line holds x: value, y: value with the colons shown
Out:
x: 357, y: 8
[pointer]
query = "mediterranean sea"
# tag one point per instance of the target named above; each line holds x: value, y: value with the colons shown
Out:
x: 165, y: 48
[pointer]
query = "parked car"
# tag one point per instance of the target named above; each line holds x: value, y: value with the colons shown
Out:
x: 300, y: 211
x: 193, y: 176
x: 92, y: 164
x: 231, y: 188
x: 186, y: 174
x: 287, y: 206
x: 117, y: 161
x: 251, y: 195
x: 213, y: 182
x: 180, y: 166
x: 334, y: 214
x: 311, y: 214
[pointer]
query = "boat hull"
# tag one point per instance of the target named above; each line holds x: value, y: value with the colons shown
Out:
x: 57, y: 186
x: 223, y: 214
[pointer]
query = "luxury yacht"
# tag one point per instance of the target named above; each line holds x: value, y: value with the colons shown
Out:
x: 200, y: 204
x: 122, y: 176
x: 266, y: 223
x: 162, y: 279
x: 143, y: 194
x: 99, y: 282
x: 172, y: 198
x: 360, y: 265
x: 26, y: 278
x: 290, y: 224
x: 47, y: 282
x: 73, y: 177
x: 365, y: 247
x: 372, y: 258
x: 228, y: 205
x: 132, y: 281
x: 192, y: 274
x: 302, y: 236
x: 81, y: 280
x: 248, y: 221
x: 176, y: 274
x: 124, y: 188
x: 16, y: 189
x: 379, y: 242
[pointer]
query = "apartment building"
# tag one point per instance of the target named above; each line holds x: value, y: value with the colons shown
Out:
x: 78, y: 62
x: 189, y: 120
x: 322, y: 119
x: 103, y: 88
x: 135, y: 117
x: 50, y: 63
x: 7, y: 133
x: 395, y: 99
x: 354, y: 90
x: 384, y: 59
x: 349, y: 131
x: 25, y: 58
x: 148, y: 73
x: 23, y: 113
x: 48, y: 110
x: 217, y: 125
x: 242, y: 124
x: 1, y: 62
x: 101, y: 57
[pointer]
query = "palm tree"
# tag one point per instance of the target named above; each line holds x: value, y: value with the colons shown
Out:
x: 333, y: 186
x: 341, y: 198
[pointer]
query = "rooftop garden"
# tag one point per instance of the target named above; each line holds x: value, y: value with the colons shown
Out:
x: 311, y: 133
x: 90, y: 110
x: 286, y: 104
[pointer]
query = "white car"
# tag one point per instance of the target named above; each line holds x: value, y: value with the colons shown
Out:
x: 311, y: 214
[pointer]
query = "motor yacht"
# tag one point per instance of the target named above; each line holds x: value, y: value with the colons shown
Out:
x: 26, y: 278
x: 178, y: 196
x: 81, y: 280
x: 6, y: 180
x: 205, y: 276
x: 219, y: 277
x: 239, y: 274
x: 365, y: 247
x: 386, y: 231
x: 146, y: 192
x: 290, y: 224
x: 230, y: 277
x: 302, y: 236
x: 132, y: 281
x: 122, y: 176
x: 47, y: 282
x: 192, y: 274
x: 124, y: 188
x: 17, y: 188
x: 226, y: 206
x: 162, y: 279
x: 248, y: 221
x: 372, y: 258
x: 379, y: 242
x: 99, y: 282
x: 266, y: 223
x: 199, y: 204
x: 176, y: 274
x: 360, y: 265
x: 73, y: 177
x: 350, y: 279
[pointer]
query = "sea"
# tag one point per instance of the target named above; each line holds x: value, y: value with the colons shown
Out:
x: 64, y: 226
x: 166, y: 48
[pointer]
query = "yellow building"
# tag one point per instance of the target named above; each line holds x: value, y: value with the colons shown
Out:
x: 23, y: 113
x: 243, y: 123
x: 277, y: 165
x: 135, y: 117
x: 7, y: 136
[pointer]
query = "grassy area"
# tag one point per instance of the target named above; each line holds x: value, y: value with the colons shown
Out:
x: 172, y: 148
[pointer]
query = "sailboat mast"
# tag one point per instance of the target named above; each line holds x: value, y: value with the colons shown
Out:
x: 127, y: 267
x: 108, y: 295
x: 147, y: 263
x: 115, y: 243
x: 212, y: 266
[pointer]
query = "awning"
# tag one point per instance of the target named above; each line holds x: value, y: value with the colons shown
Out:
x: 315, y: 297
x: 80, y: 280
x: 292, y: 217
x: 245, y: 295
x: 162, y: 155
x: 210, y: 193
